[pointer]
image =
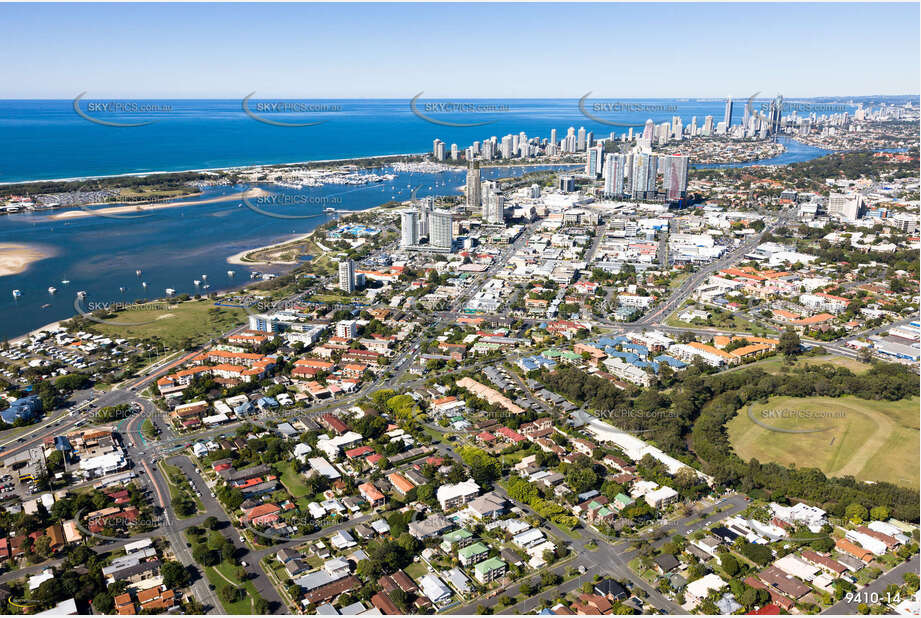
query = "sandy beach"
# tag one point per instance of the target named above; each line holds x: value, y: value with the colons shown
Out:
x: 228, y: 168
x: 237, y: 258
x: 16, y: 258
x: 136, y: 208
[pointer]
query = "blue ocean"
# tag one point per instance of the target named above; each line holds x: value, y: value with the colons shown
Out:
x: 175, y: 246
x: 48, y: 139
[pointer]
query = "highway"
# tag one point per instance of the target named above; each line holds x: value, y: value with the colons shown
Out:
x: 661, y: 311
x: 609, y: 557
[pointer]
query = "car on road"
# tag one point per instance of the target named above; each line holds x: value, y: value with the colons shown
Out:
x: 242, y: 539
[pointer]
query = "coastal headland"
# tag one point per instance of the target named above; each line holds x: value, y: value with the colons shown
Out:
x: 136, y: 208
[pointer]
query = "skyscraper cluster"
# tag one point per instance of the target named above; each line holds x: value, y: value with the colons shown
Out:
x: 521, y: 146
x: 426, y: 222
x: 438, y: 150
x: 636, y: 174
x: 759, y: 120
x: 493, y: 212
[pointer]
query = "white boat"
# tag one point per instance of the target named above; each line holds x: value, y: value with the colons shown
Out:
x: 122, y: 290
x: 138, y: 272
x: 231, y: 273
x: 144, y: 284
x: 204, y: 277
x: 170, y: 291
x: 254, y: 275
x: 81, y: 294
x: 206, y: 286
x: 52, y: 290
x: 196, y: 282
x: 65, y: 281
x: 16, y: 293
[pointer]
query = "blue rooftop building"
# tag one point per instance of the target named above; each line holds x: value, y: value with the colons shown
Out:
x: 244, y: 409
x: 24, y: 408
x: 266, y: 403
x: 639, y: 350
x: 671, y: 361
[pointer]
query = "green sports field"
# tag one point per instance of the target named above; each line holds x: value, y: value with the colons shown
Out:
x: 176, y: 324
x: 842, y: 436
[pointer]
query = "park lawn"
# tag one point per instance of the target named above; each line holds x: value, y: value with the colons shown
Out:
x: 732, y: 322
x: 513, y: 458
x: 269, y: 564
x: 570, y: 531
x: 180, y: 489
x: 869, y: 440
x: 148, y: 429
x: 153, y: 194
x: 898, y: 453
x: 289, y: 252
x: 170, y: 472
x: 219, y: 576
x: 292, y: 480
x: 175, y: 324
x: 837, y: 361
x: 774, y: 363
x: 637, y: 567
x: 332, y: 298
x: 434, y: 436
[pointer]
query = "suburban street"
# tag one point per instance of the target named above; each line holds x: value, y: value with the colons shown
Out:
x: 893, y: 576
x: 606, y: 556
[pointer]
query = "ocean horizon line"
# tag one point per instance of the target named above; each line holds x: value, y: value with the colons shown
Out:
x: 212, y: 169
x: 460, y: 97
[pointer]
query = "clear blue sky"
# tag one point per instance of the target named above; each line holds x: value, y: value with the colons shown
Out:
x: 472, y: 50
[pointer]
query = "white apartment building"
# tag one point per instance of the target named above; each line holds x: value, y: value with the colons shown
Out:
x: 847, y: 206
x: 626, y: 371
x: 635, y: 301
x: 347, y: 276
x: 824, y: 302
x: 347, y: 329
x: 453, y: 496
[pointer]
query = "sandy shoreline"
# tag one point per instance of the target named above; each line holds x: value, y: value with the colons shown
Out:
x: 52, y: 326
x: 135, y: 208
x: 228, y: 168
x: 237, y: 258
x: 16, y: 258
